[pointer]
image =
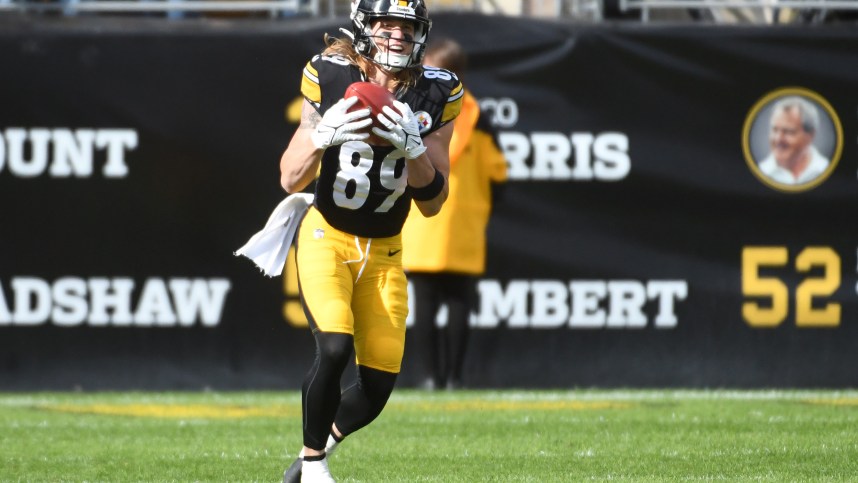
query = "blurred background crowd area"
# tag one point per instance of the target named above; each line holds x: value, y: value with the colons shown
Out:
x: 746, y: 12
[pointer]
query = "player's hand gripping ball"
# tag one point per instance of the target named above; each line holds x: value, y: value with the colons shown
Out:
x: 340, y: 124
x: 375, y: 97
x: 402, y: 130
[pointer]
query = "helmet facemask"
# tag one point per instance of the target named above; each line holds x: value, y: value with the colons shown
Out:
x: 394, y: 61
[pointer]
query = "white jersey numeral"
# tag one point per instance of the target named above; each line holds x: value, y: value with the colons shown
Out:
x: 436, y: 73
x: 355, y: 162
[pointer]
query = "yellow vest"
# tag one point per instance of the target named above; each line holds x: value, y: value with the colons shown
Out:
x: 454, y: 240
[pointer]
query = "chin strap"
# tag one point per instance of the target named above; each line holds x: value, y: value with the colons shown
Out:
x: 384, y: 61
x: 348, y: 33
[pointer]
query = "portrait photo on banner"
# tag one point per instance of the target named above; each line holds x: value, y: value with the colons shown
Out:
x: 792, y: 139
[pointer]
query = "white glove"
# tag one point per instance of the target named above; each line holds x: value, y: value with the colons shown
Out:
x: 338, y: 125
x: 403, y: 132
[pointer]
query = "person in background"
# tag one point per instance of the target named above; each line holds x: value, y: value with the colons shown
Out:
x: 444, y: 255
x: 349, y: 247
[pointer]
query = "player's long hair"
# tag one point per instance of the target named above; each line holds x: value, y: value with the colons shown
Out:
x: 343, y: 47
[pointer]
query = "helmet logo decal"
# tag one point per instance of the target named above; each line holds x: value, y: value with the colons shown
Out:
x: 401, y: 7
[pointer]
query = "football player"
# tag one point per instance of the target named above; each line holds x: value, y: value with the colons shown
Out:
x: 349, y: 249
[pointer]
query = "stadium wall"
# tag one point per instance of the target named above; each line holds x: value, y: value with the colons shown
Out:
x: 640, y: 244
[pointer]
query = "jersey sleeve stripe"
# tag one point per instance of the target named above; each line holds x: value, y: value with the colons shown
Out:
x: 454, y: 103
x: 310, y: 84
x: 456, y: 93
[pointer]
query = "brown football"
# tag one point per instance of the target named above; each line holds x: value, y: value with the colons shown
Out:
x: 375, y: 97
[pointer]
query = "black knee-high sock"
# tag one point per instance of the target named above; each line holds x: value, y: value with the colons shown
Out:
x: 320, y: 394
x: 363, y: 401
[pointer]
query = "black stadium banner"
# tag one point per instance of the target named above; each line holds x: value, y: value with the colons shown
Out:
x: 647, y: 238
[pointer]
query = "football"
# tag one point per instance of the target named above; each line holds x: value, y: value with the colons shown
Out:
x: 375, y: 97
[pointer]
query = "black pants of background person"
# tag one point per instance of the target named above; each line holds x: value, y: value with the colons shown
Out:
x: 441, y: 351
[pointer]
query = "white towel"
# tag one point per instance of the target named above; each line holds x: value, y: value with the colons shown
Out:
x: 268, y: 247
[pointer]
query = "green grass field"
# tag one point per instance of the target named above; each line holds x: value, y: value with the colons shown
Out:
x: 463, y: 436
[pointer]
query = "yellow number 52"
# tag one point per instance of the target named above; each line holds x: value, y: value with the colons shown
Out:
x: 773, y: 288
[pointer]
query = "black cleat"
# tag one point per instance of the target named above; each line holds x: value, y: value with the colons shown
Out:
x: 293, y: 473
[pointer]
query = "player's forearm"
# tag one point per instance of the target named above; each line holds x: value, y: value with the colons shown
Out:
x: 433, y: 207
x: 298, y: 166
x: 423, y: 177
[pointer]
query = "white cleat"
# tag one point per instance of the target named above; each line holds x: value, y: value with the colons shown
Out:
x: 316, y: 472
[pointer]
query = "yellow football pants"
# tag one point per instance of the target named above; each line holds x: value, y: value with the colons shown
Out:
x: 355, y: 285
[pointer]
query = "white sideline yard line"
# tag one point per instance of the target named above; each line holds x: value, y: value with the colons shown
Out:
x: 642, y: 395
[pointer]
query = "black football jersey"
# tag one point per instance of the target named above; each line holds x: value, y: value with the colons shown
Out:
x: 363, y: 189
